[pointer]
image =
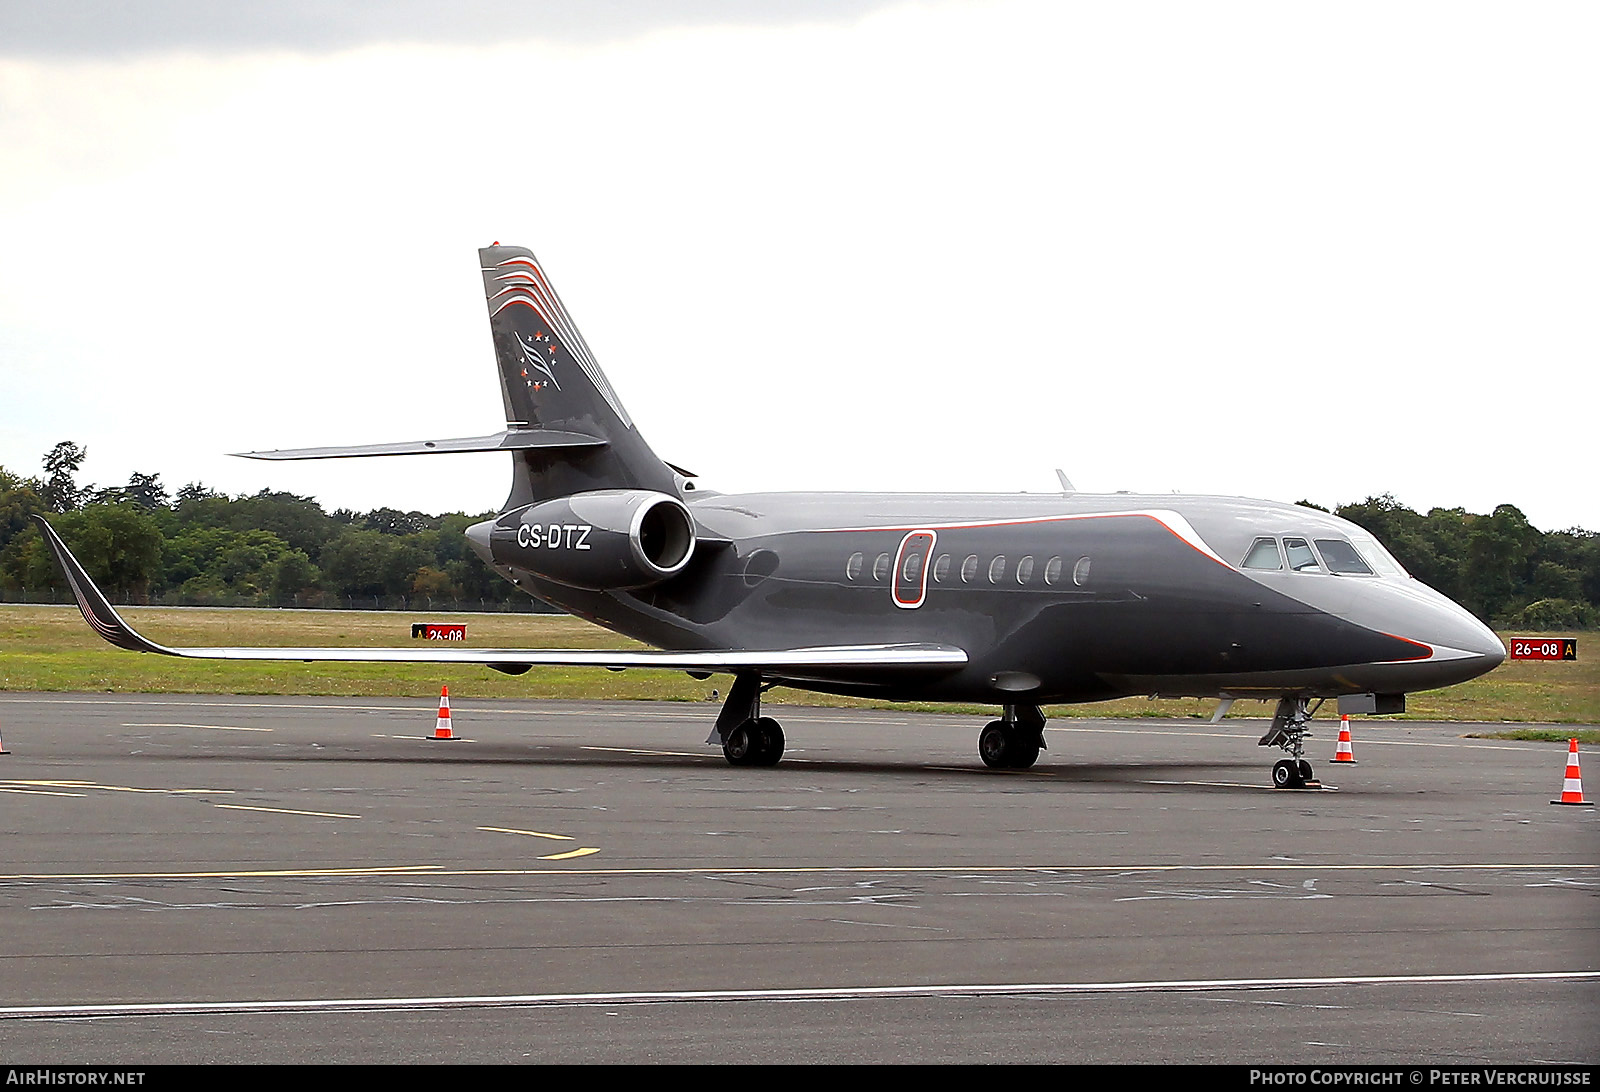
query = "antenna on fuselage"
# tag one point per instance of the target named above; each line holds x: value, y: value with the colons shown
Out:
x: 1066, y: 483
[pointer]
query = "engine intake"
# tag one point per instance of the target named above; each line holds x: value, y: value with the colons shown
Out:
x: 609, y: 539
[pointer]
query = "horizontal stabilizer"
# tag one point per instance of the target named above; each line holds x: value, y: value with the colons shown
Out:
x: 103, y: 618
x: 510, y: 440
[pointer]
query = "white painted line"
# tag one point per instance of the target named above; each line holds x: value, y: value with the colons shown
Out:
x: 74, y: 784
x: 839, y: 993
x: 529, y: 833
x: 1224, y: 785
x: 200, y: 699
x: 642, y: 751
x: 217, y: 727
x: 288, y: 811
x: 439, y: 871
x: 264, y: 873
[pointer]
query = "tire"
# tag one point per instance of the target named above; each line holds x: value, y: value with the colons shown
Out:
x: 1303, y: 768
x: 742, y: 746
x: 1285, y: 775
x: 1023, y: 755
x: 769, y: 749
x: 994, y: 746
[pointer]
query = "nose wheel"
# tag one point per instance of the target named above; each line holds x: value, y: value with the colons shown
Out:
x: 1014, y: 742
x: 1288, y: 731
x: 1292, y: 773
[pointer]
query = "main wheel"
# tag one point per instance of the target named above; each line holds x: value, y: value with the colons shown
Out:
x: 994, y: 746
x: 742, y: 745
x: 770, y: 747
x: 1286, y: 775
x: 1303, y: 768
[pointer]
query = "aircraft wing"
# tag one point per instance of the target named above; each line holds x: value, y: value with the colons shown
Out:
x: 518, y: 439
x: 104, y: 620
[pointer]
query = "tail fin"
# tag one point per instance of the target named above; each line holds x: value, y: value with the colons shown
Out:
x: 550, y: 381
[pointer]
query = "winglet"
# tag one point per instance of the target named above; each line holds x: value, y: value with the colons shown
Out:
x: 97, y: 610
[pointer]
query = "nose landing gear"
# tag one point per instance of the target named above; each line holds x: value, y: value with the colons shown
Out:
x: 1288, y: 731
x: 1013, y: 742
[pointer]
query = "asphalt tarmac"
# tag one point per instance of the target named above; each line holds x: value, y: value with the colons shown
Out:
x: 259, y: 879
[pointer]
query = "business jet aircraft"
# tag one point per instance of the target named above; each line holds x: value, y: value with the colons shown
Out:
x: 1017, y: 601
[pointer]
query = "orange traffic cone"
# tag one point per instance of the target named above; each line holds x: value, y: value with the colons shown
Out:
x: 1572, y: 787
x: 1343, y: 753
x: 441, y: 727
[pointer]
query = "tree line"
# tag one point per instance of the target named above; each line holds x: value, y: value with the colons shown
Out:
x: 1497, y: 565
x: 202, y: 547
x: 278, y: 549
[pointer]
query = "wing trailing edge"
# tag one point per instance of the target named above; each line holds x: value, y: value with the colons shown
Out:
x: 105, y: 621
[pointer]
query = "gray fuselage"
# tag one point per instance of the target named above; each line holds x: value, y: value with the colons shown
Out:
x: 1055, y: 598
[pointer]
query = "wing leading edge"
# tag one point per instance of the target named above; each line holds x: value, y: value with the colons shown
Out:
x: 105, y: 621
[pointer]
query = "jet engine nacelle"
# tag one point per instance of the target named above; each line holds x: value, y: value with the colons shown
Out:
x: 609, y: 539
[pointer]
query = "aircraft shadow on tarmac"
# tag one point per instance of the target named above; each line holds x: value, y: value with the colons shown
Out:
x: 1199, y: 775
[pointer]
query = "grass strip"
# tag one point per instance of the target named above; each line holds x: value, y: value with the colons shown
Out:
x: 49, y: 648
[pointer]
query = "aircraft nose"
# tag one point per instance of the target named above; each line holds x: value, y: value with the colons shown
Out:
x: 1488, y: 646
x: 1451, y: 626
x: 1459, y: 647
x: 478, y: 537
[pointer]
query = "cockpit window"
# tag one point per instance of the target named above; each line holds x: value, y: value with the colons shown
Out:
x: 1342, y: 557
x: 1380, y: 559
x: 1263, y: 555
x: 1301, y: 559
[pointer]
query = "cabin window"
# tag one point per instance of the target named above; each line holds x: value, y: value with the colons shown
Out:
x: 1341, y: 558
x: 997, y: 569
x: 1263, y: 555
x: 1301, y: 559
x: 941, y: 568
x: 880, y: 567
x: 852, y: 568
x: 1025, y: 570
x: 969, y: 568
x: 1052, y: 570
x: 1080, y: 572
x: 912, y: 568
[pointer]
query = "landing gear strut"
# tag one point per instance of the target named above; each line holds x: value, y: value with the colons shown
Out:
x: 1013, y: 742
x: 1288, y: 731
x: 747, y: 737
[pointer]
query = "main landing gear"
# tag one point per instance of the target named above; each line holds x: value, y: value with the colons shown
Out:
x: 1288, y: 731
x: 747, y: 737
x: 756, y: 742
x: 1014, y: 741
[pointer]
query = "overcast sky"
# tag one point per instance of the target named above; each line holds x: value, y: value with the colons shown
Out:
x: 1268, y: 249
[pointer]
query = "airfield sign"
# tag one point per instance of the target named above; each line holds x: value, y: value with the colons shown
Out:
x: 1544, y: 648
